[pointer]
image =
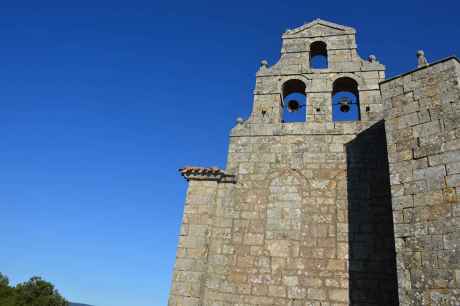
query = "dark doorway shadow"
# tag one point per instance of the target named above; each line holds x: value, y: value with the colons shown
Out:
x: 372, y: 263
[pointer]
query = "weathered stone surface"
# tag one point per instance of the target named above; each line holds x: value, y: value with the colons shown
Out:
x: 427, y: 253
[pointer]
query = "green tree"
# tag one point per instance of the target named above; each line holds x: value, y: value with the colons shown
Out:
x: 38, y: 292
x: 35, y: 292
x: 7, y: 293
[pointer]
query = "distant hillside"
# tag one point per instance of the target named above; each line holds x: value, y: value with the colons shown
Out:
x: 78, y: 304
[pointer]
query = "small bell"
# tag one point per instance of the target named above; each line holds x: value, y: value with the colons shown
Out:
x: 293, y: 106
x: 344, y: 105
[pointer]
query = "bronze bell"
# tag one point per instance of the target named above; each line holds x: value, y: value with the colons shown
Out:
x: 293, y: 106
x: 344, y: 105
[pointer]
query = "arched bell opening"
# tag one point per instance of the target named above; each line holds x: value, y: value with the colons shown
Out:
x: 294, y: 101
x: 345, y: 100
x: 318, y: 55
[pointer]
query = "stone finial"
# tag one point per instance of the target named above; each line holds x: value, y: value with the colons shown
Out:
x: 239, y: 120
x: 421, y: 59
x: 372, y: 58
x: 263, y: 64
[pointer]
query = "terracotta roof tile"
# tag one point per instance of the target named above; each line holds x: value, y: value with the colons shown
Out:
x: 200, y: 170
x: 207, y: 173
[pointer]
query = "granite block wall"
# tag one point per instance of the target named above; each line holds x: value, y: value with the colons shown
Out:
x: 422, y: 115
x: 372, y: 262
x: 191, y: 259
x: 293, y: 229
x: 284, y: 241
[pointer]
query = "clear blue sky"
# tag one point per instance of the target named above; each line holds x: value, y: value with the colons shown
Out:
x: 102, y: 102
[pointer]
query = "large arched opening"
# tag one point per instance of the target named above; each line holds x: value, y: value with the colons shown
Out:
x: 345, y: 100
x: 294, y: 101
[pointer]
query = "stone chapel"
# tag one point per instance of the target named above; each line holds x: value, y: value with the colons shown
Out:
x: 340, y: 187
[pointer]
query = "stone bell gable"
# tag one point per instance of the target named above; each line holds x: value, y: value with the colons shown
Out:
x: 354, y: 202
x: 338, y: 45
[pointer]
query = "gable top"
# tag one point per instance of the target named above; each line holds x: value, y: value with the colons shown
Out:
x: 318, y: 27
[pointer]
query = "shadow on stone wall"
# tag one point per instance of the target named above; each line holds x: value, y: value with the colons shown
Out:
x: 372, y: 264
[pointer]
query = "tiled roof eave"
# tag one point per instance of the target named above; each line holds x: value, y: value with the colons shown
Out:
x: 206, y: 173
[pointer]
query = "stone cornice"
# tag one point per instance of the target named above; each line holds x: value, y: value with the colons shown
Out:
x: 328, y: 24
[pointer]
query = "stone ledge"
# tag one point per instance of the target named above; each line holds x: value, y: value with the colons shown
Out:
x: 206, y: 174
x: 302, y: 128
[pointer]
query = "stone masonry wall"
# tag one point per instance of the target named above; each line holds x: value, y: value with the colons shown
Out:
x: 422, y: 114
x: 191, y: 257
x: 372, y: 263
x: 280, y: 235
